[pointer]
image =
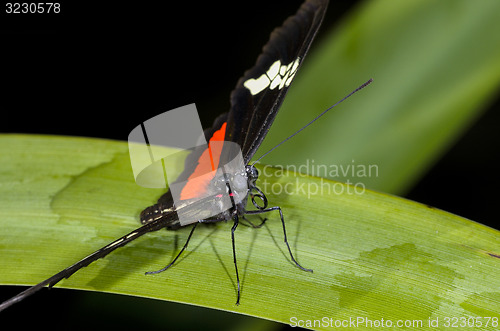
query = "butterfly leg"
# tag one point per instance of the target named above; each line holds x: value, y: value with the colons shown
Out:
x: 233, y: 229
x: 177, y: 256
x: 236, y: 221
x: 266, y: 210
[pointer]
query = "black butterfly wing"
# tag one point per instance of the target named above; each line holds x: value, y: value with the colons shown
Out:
x: 251, y: 115
x: 260, y: 92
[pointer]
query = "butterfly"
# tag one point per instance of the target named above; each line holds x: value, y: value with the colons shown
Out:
x: 255, y: 102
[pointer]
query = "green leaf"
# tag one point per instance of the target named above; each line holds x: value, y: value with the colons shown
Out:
x: 435, y: 65
x: 374, y: 255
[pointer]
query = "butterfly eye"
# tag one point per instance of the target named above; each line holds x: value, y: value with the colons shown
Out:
x: 252, y: 173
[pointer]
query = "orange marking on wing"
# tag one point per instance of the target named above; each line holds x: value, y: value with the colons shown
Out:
x: 211, y: 156
x: 207, y: 163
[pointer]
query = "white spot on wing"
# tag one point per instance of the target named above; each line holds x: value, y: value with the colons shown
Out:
x: 284, y: 80
x: 257, y: 85
x: 275, y: 82
x: 282, y: 70
x: 276, y: 76
x: 295, y: 65
x: 273, y: 70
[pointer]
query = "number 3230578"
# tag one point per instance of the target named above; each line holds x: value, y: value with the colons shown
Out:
x: 32, y: 8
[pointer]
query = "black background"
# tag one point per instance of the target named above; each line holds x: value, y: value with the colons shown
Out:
x: 97, y: 70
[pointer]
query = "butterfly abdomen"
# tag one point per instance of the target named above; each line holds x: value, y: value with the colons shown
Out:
x: 158, y: 211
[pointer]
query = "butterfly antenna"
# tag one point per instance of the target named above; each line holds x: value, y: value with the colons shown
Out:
x: 314, y: 120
